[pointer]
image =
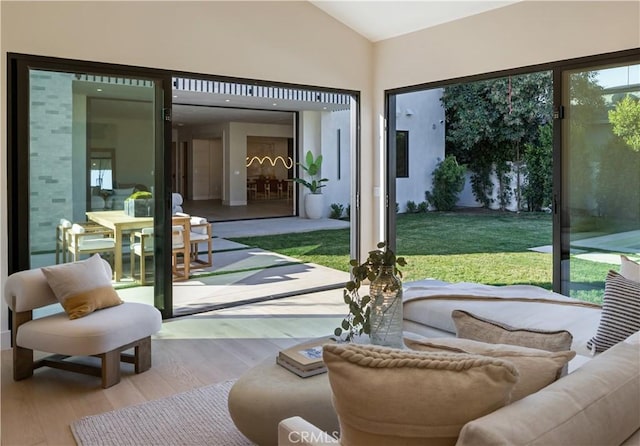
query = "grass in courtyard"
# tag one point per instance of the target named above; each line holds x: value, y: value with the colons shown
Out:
x: 487, y: 247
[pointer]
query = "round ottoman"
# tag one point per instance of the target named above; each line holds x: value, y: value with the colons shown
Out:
x: 269, y: 393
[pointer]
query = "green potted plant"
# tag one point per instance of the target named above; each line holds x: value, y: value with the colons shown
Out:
x: 379, y: 313
x: 313, y: 202
x: 139, y: 204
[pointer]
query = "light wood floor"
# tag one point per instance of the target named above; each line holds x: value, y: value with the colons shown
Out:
x: 187, y: 353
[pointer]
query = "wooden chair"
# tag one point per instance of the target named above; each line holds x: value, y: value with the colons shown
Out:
x: 201, y: 232
x: 252, y: 190
x: 274, y: 188
x: 61, y: 240
x: 262, y: 189
x: 89, y: 239
x: 142, y: 246
x: 181, y: 247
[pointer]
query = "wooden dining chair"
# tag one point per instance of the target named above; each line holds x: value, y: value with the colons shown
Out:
x: 89, y: 239
x: 181, y: 247
x: 142, y: 246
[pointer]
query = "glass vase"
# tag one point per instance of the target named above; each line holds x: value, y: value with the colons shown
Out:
x: 386, y: 309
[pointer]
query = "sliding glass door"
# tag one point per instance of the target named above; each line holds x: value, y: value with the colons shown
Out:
x: 82, y: 142
x: 600, y: 174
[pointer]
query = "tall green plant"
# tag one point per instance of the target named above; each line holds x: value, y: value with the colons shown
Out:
x: 312, y: 167
x: 448, y: 181
x: 538, y: 162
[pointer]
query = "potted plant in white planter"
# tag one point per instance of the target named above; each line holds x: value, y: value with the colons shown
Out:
x: 313, y: 202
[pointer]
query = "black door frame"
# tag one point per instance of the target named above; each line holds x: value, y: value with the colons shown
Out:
x: 18, y: 158
x: 560, y: 211
x: 18, y: 65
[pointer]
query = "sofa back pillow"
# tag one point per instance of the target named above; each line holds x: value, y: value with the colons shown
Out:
x: 470, y: 326
x: 536, y: 368
x: 389, y: 397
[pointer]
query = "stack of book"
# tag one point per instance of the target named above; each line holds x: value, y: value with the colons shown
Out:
x: 304, y: 359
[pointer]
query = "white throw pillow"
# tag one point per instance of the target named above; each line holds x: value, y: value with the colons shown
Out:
x: 629, y: 269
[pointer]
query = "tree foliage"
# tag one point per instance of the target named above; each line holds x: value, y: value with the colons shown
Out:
x: 625, y: 119
x: 489, y: 122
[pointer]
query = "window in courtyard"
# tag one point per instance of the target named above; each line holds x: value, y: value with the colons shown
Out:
x: 402, y: 154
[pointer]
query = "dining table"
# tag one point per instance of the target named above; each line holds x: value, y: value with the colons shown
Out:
x: 119, y: 223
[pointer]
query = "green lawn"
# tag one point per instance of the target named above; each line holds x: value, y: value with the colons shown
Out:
x: 488, y: 247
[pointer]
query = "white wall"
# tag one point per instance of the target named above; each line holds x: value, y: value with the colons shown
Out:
x: 310, y: 129
x: 337, y: 190
x: 422, y: 114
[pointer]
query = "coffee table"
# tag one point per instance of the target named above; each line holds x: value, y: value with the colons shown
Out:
x: 268, y: 393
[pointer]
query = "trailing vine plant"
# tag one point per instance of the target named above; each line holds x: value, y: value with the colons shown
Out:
x: 358, y: 322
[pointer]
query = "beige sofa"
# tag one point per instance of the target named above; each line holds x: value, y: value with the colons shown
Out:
x: 596, y: 403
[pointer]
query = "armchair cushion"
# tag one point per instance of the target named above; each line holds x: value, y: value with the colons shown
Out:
x: 82, y: 287
x: 386, y: 396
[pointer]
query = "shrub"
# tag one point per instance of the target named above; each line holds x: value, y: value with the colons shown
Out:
x: 423, y: 207
x: 411, y: 207
x: 336, y: 211
x: 448, y: 181
x: 347, y: 212
x: 538, y: 166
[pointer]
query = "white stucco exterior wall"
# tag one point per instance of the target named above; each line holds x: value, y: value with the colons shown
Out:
x: 422, y: 115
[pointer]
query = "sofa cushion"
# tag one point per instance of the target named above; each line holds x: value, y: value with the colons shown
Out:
x: 470, y: 326
x: 427, y: 308
x: 386, y: 396
x: 82, y: 287
x: 620, y: 312
x: 597, y: 404
x: 537, y: 368
x: 629, y: 269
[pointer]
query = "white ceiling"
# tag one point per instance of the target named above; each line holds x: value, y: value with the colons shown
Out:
x: 379, y: 20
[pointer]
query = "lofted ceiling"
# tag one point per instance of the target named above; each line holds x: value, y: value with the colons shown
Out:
x: 379, y: 20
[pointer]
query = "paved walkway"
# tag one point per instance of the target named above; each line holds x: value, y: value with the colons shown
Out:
x: 241, y: 274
